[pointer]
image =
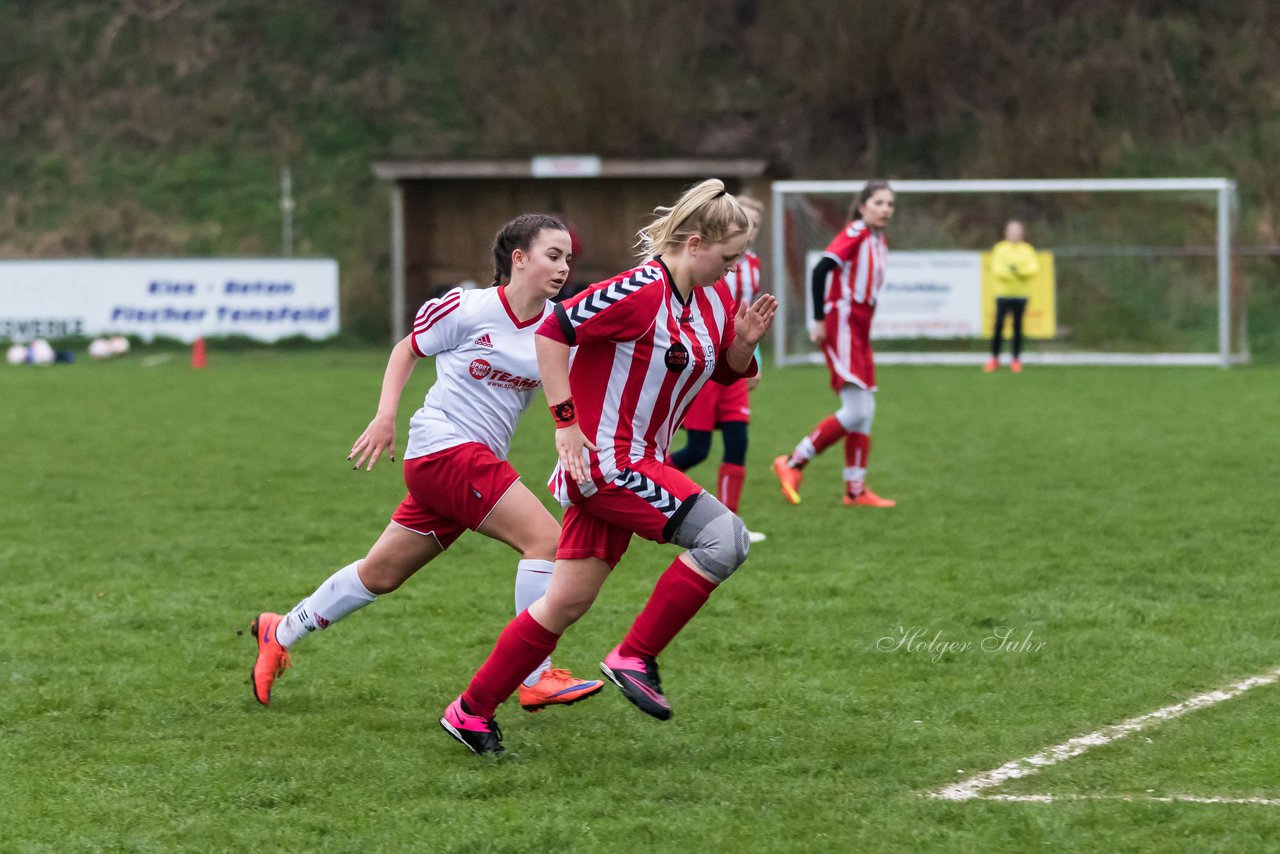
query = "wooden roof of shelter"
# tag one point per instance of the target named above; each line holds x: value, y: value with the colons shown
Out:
x: 442, y: 211
x: 570, y: 167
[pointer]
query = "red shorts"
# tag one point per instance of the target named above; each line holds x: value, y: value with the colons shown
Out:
x: 649, y: 499
x: 848, y: 348
x: 453, y: 490
x: 718, y: 404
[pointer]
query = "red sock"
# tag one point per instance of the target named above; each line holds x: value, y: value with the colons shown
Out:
x: 826, y: 434
x: 857, y: 447
x: 522, y: 646
x: 729, y: 484
x: 678, y: 595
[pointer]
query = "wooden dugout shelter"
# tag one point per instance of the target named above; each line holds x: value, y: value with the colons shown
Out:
x: 444, y: 213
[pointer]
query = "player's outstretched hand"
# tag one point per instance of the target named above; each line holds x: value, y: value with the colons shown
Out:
x: 570, y: 442
x: 379, y: 436
x: 817, y: 332
x: 751, y: 323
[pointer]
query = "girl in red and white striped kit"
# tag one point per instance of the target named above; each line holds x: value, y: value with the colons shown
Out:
x: 647, y: 340
x: 846, y: 285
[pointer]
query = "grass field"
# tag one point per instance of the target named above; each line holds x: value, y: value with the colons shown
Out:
x: 1124, y: 519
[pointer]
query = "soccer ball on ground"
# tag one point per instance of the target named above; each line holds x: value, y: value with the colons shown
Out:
x: 42, y: 352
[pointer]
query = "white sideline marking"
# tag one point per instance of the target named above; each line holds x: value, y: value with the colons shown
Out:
x: 972, y: 787
x: 1169, y: 799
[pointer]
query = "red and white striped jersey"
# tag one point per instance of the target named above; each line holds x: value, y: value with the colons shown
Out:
x: 642, y: 355
x: 486, y: 371
x: 860, y: 253
x: 744, y: 279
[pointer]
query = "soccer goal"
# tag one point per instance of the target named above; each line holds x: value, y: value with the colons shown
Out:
x: 1134, y: 271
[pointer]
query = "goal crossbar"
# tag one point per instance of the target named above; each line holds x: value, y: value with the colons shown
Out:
x: 1224, y: 190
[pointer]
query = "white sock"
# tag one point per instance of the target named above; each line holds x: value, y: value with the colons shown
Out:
x: 341, y: 594
x: 854, y: 477
x: 803, y: 453
x: 532, y: 578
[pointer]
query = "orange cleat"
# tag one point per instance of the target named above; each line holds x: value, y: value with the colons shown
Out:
x: 557, y: 687
x: 1016, y: 366
x: 272, y: 660
x: 789, y: 477
x: 990, y: 365
x: 867, y: 498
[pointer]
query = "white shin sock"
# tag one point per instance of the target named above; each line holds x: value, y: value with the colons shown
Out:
x: 341, y: 594
x: 532, y: 578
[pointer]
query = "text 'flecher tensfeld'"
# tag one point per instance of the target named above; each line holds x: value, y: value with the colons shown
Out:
x: 220, y: 313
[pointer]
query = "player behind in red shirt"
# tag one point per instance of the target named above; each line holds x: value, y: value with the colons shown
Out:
x: 846, y: 284
x: 455, y: 464
x: 727, y: 408
x: 647, y: 340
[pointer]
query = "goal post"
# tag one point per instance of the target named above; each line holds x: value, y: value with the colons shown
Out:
x: 1142, y: 268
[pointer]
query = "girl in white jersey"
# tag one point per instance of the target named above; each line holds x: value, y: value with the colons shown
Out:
x: 455, y: 463
x: 647, y: 340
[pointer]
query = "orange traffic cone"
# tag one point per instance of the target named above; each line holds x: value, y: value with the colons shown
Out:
x: 198, y: 358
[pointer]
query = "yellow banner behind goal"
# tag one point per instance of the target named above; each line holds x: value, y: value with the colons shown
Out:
x: 1041, y: 319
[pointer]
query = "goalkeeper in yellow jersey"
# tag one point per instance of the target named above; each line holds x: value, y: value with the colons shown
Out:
x: 1014, y: 265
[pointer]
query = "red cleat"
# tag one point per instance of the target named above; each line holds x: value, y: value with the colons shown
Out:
x: 272, y: 660
x: 789, y: 477
x: 557, y: 687
x: 867, y: 498
x: 990, y: 366
x: 1016, y: 366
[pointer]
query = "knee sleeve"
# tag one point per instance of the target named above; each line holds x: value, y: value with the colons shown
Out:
x: 715, y: 537
x: 857, y: 409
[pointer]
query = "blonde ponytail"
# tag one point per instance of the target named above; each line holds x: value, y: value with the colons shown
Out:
x: 706, y: 209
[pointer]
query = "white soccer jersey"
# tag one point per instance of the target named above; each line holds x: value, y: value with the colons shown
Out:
x: 486, y: 371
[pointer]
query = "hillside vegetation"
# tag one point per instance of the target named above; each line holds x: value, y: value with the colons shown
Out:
x: 159, y: 127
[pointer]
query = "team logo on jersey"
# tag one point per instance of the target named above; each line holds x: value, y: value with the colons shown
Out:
x: 484, y: 341
x: 677, y: 357
x: 322, y: 622
x: 498, y: 378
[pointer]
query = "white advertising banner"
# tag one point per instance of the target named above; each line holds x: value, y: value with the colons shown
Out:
x: 925, y: 295
x: 930, y: 295
x: 266, y: 298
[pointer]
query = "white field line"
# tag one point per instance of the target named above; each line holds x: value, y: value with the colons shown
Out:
x: 1169, y: 799
x: 973, y: 787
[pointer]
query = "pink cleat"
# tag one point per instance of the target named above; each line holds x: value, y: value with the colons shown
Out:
x: 480, y: 735
x: 638, y: 678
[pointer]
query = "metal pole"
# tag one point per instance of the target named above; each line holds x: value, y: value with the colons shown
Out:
x: 286, y: 209
x: 779, y: 284
x: 397, y: 262
x: 1224, y: 276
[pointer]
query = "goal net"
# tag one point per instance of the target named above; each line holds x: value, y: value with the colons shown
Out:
x: 1132, y: 271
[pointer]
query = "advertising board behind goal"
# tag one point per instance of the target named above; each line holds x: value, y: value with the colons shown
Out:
x: 265, y: 299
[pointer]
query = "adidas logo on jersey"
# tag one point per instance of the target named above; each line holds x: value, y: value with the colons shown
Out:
x: 484, y: 341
